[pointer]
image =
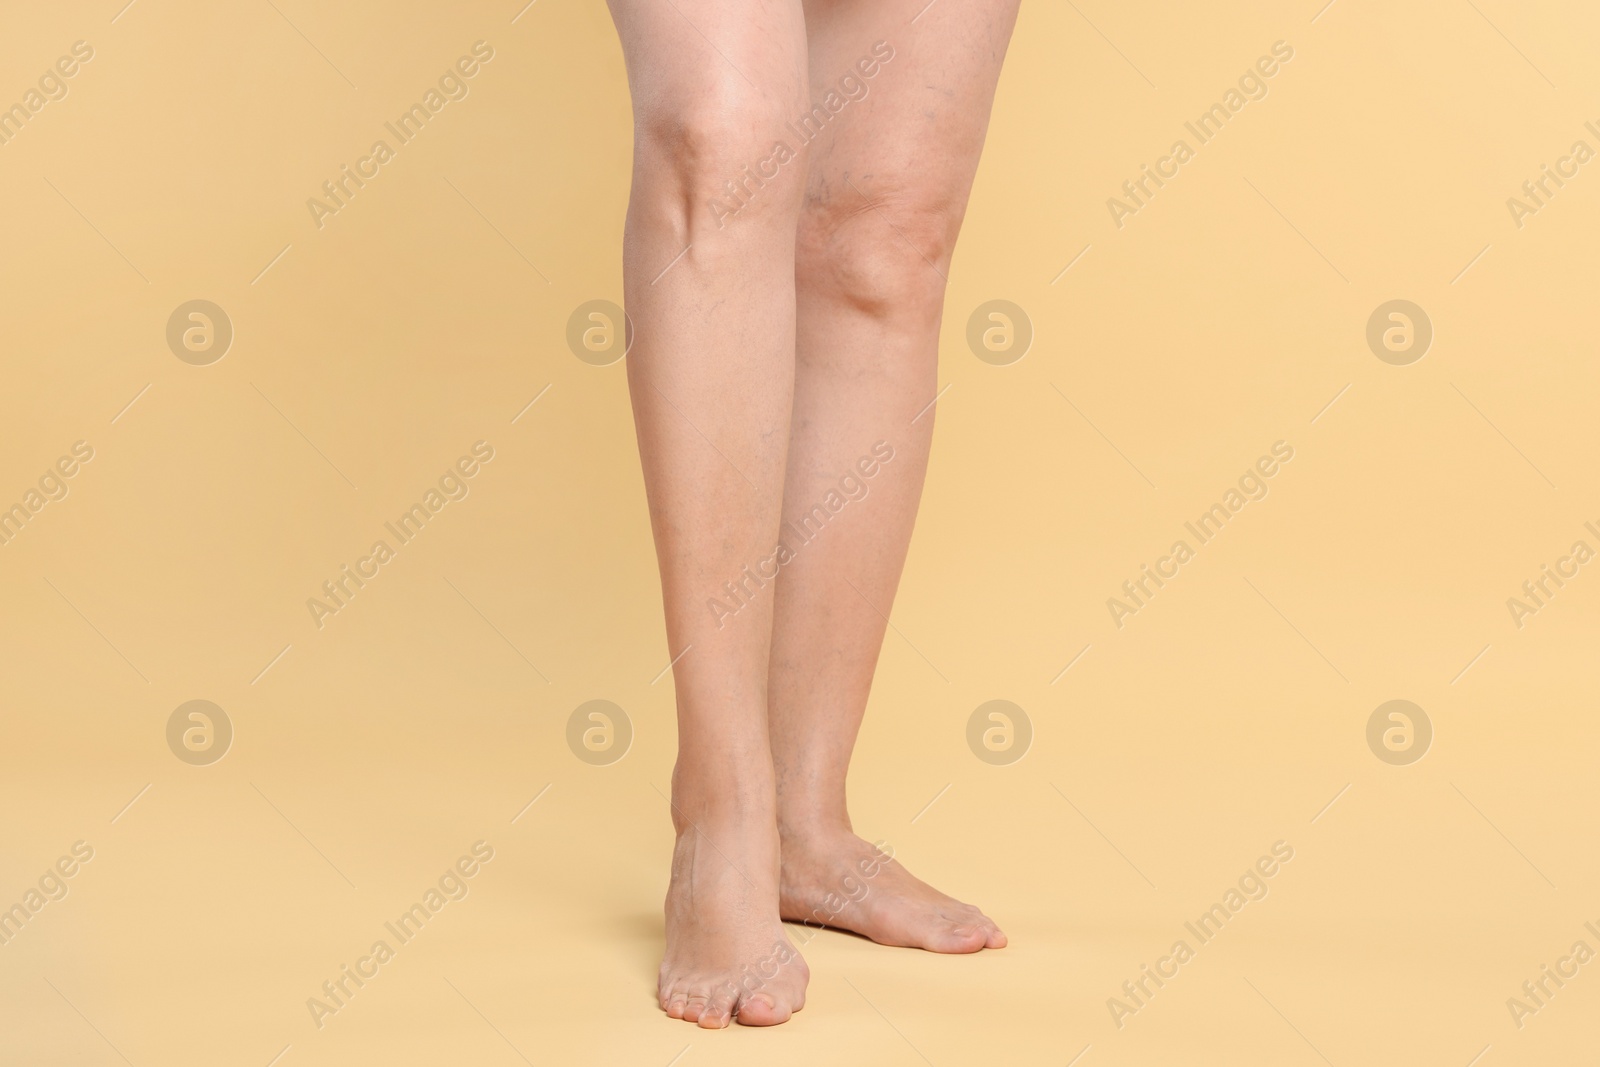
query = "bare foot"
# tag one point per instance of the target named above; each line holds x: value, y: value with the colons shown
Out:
x: 836, y: 879
x: 728, y: 956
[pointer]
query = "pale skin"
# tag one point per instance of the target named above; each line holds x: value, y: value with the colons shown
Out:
x: 779, y: 338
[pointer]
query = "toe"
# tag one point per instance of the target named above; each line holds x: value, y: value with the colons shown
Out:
x: 997, y: 938
x: 693, y: 1006
x: 958, y: 937
x: 676, y: 1001
x: 762, y: 1009
x: 719, y: 1012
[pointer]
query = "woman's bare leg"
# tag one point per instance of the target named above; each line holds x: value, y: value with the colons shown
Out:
x: 711, y: 377
x: 887, y: 187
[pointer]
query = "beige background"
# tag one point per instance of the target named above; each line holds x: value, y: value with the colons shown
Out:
x: 1225, y: 716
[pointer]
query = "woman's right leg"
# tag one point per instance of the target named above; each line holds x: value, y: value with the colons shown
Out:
x: 708, y: 274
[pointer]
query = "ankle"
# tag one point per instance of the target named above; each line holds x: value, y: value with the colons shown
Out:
x: 799, y: 828
x: 722, y: 801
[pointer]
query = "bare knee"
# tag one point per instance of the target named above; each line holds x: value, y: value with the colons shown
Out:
x: 887, y: 256
x: 722, y: 158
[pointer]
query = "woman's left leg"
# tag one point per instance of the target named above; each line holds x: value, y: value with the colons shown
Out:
x: 888, y: 178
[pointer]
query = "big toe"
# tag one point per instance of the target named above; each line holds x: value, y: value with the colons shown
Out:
x: 762, y: 1009
x: 958, y: 937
